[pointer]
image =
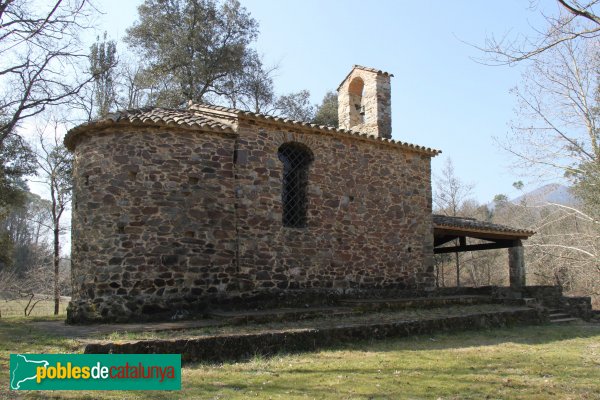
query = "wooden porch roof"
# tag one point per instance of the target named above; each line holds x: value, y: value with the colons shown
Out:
x: 446, y: 229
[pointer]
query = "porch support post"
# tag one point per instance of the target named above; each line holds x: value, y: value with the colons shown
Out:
x: 516, y: 265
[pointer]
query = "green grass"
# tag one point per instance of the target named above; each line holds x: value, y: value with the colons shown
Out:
x: 14, y: 308
x: 539, y: 362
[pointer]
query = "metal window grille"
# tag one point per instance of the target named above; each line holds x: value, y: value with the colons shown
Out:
x: 295, y: 158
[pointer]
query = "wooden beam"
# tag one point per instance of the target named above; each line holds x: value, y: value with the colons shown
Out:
x: 477, y: 233
x: 500, y: 244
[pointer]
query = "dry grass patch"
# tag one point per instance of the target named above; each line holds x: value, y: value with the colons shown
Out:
x: 44, y: 307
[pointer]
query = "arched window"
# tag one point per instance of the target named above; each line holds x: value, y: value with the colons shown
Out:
x: 296, y: 159
x: 357, y: 108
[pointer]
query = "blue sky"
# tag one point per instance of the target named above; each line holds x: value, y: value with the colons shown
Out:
x: 441, y: 98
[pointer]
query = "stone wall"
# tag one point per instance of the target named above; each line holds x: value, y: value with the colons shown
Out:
x: 577, y: 306
x: 153, y: 227
x: 370, y: 92
x: 369, y: 214
x: 168, y: 220
x: 548, y: 296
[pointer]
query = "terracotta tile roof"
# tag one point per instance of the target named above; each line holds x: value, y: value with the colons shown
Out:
x: 322, y: 128
x: 377, y: 71
x: 471, y: 224
x: 219, y: 119
x: 153, y: 116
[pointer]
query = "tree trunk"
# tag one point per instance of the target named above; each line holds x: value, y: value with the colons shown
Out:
x: 56, y: 262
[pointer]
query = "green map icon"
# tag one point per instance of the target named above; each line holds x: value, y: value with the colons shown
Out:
x: 23, y: 368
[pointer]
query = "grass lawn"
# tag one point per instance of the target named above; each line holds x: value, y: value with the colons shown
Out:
x: 538, y: 362
x: 15, y: 307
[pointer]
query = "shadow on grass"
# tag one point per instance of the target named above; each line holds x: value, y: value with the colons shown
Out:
x: 529, y: 335
x: 467, y: 339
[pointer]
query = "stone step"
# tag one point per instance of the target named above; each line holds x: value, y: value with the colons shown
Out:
x: 529, y: 301
x: 524, y: 301
x: 558, y: 315
x: 563, y: 320
x: 245, y: 345
x: 280, y: 314
x: 417, y: 302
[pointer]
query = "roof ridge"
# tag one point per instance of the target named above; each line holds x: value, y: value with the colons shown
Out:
x: 410, y: 146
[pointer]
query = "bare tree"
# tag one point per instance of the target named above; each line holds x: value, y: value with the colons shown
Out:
x: 565, y: 249
x: 252, y: 88
x: 556, y: 133
x: 450, y: 193
x: 39, y: 56
x: 131, y: 88
x: 27, y: 228
x: 575, y: 20
x: 28, y: 290
x: 556, y: 118
x: 55, y: 167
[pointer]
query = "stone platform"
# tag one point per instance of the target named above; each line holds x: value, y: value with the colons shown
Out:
x: 303, y: 324
x: 280, y: 314
x: 416, y: 302
x: 238, y: 342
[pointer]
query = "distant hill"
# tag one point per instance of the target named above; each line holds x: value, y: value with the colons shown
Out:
x: 551, y: 193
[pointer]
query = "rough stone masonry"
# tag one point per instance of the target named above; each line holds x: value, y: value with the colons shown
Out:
x: 175, y: 211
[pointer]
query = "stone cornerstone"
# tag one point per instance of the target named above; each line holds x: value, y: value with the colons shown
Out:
x: 178, y: 210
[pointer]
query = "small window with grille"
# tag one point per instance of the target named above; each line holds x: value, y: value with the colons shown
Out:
x: 296, y: 159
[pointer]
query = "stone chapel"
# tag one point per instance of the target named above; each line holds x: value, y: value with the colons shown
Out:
x: 177, y: 210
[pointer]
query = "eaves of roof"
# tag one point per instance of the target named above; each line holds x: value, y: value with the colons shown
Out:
x: 221, y: 120
x: 314, y: 127
x: 186, y: 119
x: 476, y: 227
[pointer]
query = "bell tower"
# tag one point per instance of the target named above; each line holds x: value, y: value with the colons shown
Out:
x: 364, y: 102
